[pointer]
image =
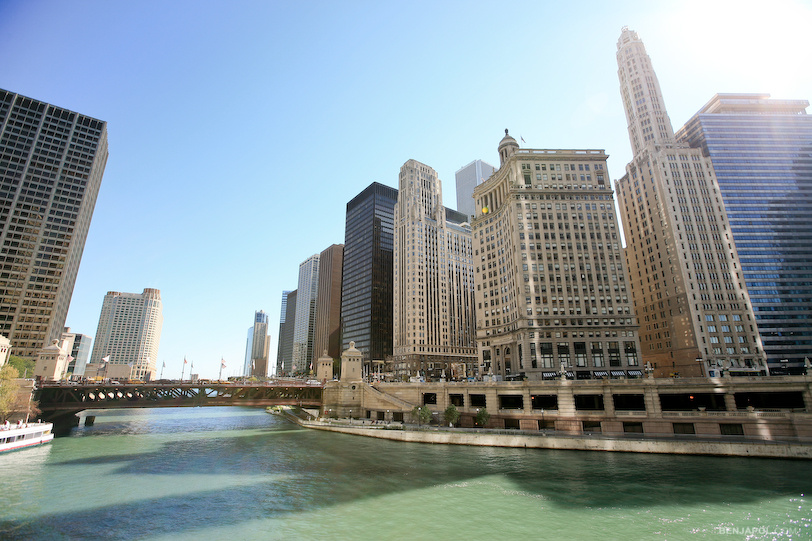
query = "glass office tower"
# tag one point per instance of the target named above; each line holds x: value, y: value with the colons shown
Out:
x: 366, y: 298
x: 761, y: 149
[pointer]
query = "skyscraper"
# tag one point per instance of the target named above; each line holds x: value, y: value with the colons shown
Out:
x: 551, y: 287
x: 282, y: 318
x: 305, y: 326
x: 433, y: 280
x: 761, y: 150
x: 366, y: 291
x: 79, y: 352
x: 687, y: 284
x: 248, y: 365
x: 129, y: 332
x: 260, y: 345
x: 51, y: 166
x: 327, y: 333
x: 284, y: 355
x: 468, y: 178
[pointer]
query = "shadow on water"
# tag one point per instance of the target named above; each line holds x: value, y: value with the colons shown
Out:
x: 296, y: 470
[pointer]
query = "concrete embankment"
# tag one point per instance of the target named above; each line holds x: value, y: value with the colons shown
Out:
x: 491, y: 438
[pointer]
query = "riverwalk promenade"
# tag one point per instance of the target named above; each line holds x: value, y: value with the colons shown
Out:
x: 796, y: 448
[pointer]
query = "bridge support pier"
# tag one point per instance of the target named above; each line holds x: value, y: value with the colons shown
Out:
x: 64, y: 421
x: 343, y: 399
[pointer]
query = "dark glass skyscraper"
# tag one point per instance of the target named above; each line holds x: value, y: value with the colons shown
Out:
x: 366, y: 306
x: 284, y: 355
x: 761, y: 149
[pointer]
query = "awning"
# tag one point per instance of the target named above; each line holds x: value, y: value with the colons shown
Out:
x: 570, y: 374
x: 549, y: 374
x: 636, y: 373
x: 618, y: 373
x: 600, y: 373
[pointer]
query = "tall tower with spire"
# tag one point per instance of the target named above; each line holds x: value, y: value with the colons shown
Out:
x: 646, y: 116
x: 688, y: 289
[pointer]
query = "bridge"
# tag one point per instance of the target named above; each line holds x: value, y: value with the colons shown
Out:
x: 60, y: 400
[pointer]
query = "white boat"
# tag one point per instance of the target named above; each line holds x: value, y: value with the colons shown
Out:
x: 26, y: 435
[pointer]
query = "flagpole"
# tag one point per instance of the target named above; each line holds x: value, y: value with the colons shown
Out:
x: 222, y: 364
x: 183, y: 370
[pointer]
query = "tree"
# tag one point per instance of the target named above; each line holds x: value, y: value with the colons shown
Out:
x: 451, y: 415
x: 15, y: 398
x: 422, y: 414
x: 8, y: 391
x: 482, y: 417
x: 25, y: 367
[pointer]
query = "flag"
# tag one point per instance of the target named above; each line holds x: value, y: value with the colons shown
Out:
x: 164, y: 365
x: 222, y: 363
x: 106, y: 359
x: 185, y: 361
x: 522, y: 138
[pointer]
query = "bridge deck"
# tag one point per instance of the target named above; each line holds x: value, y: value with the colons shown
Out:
x: 64, y: 398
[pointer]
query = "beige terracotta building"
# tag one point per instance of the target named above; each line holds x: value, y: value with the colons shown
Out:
x: 688, y: 289
x: 433, y: 281
x: 552, y: 297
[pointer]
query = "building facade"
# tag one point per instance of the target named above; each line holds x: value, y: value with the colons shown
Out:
x: 327, y: 333
x: 306, y: 299
x: 260, y: 345
x: 282, y: 318
x: 434, y: 329
x: 249, y: 351
x: 5, y: 350
x: 761, y: 150
x: 552, y: 296
x: 52, y: 361
x: 366, y: 291
x: 51, y: 166
x: 468, y: 178
x: 78, y: 347
x: 129, y: 332
x: 687, y: 283
x: 284, y: 354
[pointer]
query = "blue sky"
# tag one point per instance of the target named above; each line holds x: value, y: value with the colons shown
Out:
x: 239, y: 130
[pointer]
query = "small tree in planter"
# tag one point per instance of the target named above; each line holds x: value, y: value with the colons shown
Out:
x: 451, y: 415
x: 422, y: 414
x: 482, y: 417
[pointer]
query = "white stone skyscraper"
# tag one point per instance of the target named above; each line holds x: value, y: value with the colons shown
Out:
x: 260, y: 345
x: 129, y: 332
x: 434, y: 328
x: 305, y: 325
x: 51, y: 166
x: 687, y: 284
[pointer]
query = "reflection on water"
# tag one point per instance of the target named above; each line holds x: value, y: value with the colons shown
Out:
x: 240, y: 473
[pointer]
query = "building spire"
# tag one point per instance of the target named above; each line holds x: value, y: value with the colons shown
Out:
x: 647, y: 119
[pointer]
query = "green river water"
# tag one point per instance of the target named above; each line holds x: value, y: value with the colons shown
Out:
x: 239, y: 473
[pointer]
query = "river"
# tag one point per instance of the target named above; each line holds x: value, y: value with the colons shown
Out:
x: 241, y: 474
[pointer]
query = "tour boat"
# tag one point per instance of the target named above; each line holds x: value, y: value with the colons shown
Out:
x: 25, y: 435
